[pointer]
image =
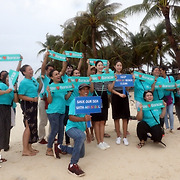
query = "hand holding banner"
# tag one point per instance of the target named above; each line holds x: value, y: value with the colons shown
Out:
x: 57, y: 56
x: 144, y: 77
x: 153, y: 105
x: 10, y: 57
x: 88, y: 105
x: 73, y: 54
x: 125, y: 80
x: 13, y: 75
x: 103, y: 77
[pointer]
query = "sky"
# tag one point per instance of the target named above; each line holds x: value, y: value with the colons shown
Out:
x: 25, y: 22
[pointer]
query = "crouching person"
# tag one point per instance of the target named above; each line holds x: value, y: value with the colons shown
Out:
x: 75, y: 128
x: 149, y: 122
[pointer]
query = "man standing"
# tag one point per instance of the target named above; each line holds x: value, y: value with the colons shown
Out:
x: 45, y: 70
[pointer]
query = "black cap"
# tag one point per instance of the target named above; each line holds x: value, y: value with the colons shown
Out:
x: 83, y: 85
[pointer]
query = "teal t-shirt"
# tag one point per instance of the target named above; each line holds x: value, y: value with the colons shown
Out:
x: 70, y: 124
x: 29, y: 87
x: 148, y: 117
x: 167, y: 93
x: 139, y: 88
x: 177, y: 94
x: 58, y: 103
x: 158, y: 93
x: 6, y: 99
x: 45, y: 81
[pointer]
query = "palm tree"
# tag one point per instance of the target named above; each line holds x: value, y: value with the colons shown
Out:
x: 158, y: 8
x: 98, y: 24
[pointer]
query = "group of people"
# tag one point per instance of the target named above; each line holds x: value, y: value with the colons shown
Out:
x: 59, y: 109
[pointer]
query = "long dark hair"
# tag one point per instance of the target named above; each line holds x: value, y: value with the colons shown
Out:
x: 51, y: 74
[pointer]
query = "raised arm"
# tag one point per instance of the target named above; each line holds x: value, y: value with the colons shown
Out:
x: 63, y: 70
x: 43, y: 66
x: 89, y: 68
x: 80, y: 63
x: 19, y: 64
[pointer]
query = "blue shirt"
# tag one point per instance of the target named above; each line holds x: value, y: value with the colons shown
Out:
x: 148, y: 117
x: 71, y: 124
x: 29, y: 87
x: 158, y: 93
x: 139, y: 88
x: 45, y: 81
x: 58, y: 103
x: 6, y: 99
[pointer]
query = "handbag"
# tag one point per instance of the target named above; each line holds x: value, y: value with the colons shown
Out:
x: 168, y: 99
x: 162, y: 129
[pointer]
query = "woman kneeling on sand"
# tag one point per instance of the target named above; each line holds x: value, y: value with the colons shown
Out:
x: 149, y: 121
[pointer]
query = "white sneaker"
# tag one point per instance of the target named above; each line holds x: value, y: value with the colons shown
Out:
x: 101, y: 146
x: 118, y: 140
x: 126, y: 143
x: 106, y: 145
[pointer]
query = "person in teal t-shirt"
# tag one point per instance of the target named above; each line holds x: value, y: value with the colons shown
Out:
x: 55, y: 111
x: 7, y: 96
x: 149, y: 121
x: 43, y: 119
x: 28, y: 93
x: 168, y: 93
x: 75, y: 128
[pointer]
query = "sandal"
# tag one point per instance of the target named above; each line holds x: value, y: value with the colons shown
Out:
x: 3, y: 160
x: 106, y: 135
x: 140, y: 145
x: 49, y: 152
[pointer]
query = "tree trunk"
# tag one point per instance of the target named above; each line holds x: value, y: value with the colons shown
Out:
x: 94, y: 43
x: 174, y: 46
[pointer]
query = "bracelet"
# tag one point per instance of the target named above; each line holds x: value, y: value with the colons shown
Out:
x: 15, y: 91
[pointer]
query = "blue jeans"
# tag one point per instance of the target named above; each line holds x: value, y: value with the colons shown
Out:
x: 78, y: 150
x: 57, y: 127
x: 169, y: 111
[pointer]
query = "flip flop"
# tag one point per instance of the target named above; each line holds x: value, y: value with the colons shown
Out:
x: 107, y: 135
x: 140, y: 145
x: 3, y: 160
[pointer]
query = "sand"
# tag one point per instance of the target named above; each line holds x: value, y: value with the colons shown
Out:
x: 119, y: 162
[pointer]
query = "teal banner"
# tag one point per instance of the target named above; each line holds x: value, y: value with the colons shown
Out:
x: 169, y: 85
x: 57, y: 56
x: 79, y: 80
x: 152, y: 105
x: 144, y: 77
x: 10, y: 57
x: 61, y: 87
x: 93, y: 61
x: 103, y: 77
x: 73, y: 54
x: 13, y: 75
x: 178, y: 83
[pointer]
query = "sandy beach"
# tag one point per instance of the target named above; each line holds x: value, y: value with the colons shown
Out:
x: 119, y: 162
